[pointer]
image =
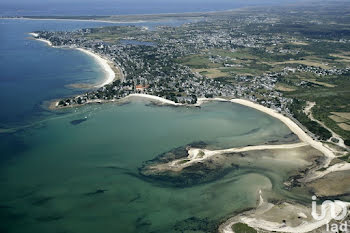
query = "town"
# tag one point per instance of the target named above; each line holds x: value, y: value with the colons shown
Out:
x: 221, y: 55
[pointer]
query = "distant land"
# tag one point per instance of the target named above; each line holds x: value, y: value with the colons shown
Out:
x: 290, y: 62
x: 56, y: 8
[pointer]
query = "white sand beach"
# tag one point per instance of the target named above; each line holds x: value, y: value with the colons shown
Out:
x: 303, y: 136
x: 77, y: 20
x: 196, y: 155
x: 155, y: 98
x: 35, y: 35
x: 343, y: 166
x: 257, y: 221
x: 299, y: 217
x: 109, y: 73
x: 102, y: 62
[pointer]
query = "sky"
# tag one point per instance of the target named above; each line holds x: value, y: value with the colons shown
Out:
x: 115, y: 7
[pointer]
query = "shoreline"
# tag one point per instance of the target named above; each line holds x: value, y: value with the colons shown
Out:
x: 103, y: 63
x: 194, y: 152
x: 303, y: 136
x: 78, y: 20
x: 109, y: 74
x: 194, y: 155
x: 35, y: 37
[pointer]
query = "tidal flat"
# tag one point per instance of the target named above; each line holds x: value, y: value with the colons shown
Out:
x: 79, y: 177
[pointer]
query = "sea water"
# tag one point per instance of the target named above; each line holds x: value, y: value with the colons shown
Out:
x: 76, y: 170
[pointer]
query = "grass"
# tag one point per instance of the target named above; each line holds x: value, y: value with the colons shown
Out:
x: 183, y: 161
x: 329, y: 100
x: 198, y: 62
x: 211, y: 73
x: 344, y: 115
x: 242, y: 228
x: 200, y: 154
x: 345, y: 158
x: 338, y: 119
x: 344, y: 126
x: 322, y: 169
x: 284, y: 87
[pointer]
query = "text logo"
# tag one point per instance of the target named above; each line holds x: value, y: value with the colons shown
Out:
x: 337, y: 210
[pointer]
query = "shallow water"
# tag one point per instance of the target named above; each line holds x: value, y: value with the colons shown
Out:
x: 31, y: 72
x: 76, y: 170
x: 82, y: 177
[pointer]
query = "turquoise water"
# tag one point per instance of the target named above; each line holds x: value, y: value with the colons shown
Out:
x: 31, y: 72
x: 51, y: 184
x: 76, y: 170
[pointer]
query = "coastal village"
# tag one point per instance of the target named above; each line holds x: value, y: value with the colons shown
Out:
x: 151, y: 69
x: 195, y: 60
x: 270, y: 149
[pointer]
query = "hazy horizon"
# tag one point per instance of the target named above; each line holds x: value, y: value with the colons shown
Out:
x: 120, y: 7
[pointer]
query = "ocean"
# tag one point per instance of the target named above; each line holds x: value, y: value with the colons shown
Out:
x: 122, y: 7
x: 76, y: 170
x: 32, y: 72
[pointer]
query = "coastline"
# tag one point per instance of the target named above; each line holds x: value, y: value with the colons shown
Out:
x: 107, y: 69
x: 78, y: 20
x: 194, y: 152
x: 35, y: 37
x: 104, y: 63
x: 154, y: 98
x: 303, y: 136
x: 253, y: 218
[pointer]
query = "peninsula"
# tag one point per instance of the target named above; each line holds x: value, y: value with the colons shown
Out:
x: 261, y: 58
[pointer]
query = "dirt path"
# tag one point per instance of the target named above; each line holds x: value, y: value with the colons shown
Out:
x: 308, y: 112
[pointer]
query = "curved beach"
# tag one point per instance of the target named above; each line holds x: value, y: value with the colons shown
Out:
x: 108, y: 71
x: 303, y: 136
x: 291, y: 125
x: 35, y: 35
x: 102, y: 62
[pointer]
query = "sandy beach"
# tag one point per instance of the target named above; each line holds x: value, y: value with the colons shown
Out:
x: 155, y: 98
x: 102, y: 62
x: 291, y: 125
x: 35, y: 35
x: 108, y: 71
x: 197, y: 155
x: 303, y: 136
x: 79, y: 20
x: 299, y: 218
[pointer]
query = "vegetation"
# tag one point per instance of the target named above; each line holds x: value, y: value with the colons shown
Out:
x: 346, y: 157
x: 184, y: 161
x: 269, y: 57
x: 242, y: 228
x: 347, y: 142
x: 296, y: 109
